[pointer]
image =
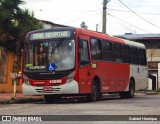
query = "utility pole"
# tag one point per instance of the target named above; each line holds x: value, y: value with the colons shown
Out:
x: 104, y: 15
x: 97, y: 27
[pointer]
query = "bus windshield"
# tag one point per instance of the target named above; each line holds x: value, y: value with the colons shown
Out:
x: 40, y: 55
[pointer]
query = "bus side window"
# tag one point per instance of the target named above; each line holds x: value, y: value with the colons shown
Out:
x: 83, y: 53
x: 126, y: 54
x: 117, y: 48
x: 96, y: 49
x: 107, y: 51
x: 142, y: 54
x: 135, y: 55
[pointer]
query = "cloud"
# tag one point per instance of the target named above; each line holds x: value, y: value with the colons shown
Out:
x: 73, y: 12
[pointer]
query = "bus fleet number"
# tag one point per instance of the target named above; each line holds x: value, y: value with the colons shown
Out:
x: 38, y: 35
x: 55, y: 81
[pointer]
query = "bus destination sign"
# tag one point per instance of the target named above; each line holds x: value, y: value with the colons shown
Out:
x: 49, y: 35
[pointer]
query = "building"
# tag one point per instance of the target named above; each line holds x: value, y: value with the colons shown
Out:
x: 152, y: 43
x: 48, y: 24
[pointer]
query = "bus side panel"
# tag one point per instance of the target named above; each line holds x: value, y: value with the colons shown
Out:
x: 114, y: 77
x: 85, y: 79
x: 105, y: 71
x: 139, y: 73
x: 122, y: 76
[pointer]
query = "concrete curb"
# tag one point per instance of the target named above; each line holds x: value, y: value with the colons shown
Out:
x: 152, y: 93
x: 21, y: 100
x: 146, y: 93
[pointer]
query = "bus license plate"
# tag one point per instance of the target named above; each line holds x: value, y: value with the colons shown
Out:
x: 47, y: 89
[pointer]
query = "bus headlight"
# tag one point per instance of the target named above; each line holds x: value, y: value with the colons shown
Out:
x: 26, y: 80
x: 70, y: 77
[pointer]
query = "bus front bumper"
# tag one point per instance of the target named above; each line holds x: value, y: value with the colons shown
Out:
x: 67, y: 88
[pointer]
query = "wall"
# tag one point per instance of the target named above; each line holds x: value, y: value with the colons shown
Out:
x: 153, y: 55
x: 6, y: 67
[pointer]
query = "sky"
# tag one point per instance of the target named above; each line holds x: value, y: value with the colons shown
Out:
x: 123, y: 16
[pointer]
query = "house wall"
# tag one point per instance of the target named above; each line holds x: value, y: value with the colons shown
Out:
x: 6, y: 67
x: 153, y: 58
x: 153, y: 55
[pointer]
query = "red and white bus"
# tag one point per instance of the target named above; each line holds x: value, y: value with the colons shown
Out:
x: 74, y: 61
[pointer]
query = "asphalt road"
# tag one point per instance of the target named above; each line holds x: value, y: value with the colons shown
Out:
x: 140, y: 105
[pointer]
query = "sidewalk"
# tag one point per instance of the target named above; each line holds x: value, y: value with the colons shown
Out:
x: 7, y: 98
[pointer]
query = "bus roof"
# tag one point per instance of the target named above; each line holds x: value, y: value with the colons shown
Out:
x: 100, y: 35
x: 111, y: 38
x: 92, y: 34
x: 132, y: 43
x: 51, y: 29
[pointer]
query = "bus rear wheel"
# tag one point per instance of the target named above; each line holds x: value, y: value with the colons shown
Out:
x: 51, y: 98
x: 130, y: 93
x: 93, y: 96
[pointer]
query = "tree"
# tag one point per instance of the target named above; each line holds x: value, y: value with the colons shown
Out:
x: 14, y: 24
x: 24, y: 23
x: 8, y: 10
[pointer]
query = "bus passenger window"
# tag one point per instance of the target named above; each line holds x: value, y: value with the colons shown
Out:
x: 107, y: 51
x: 117, y: 52
x: 96, y: 49
x: 83, y: 53
x: 126, y: 54
x: 135, y: 55
x: 142, y: 54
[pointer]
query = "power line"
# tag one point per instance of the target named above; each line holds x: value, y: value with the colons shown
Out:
x: 138, y: 15
x: 67, y: 10
x: 127, y: 23
x: 90, y: 11
x: 81, y: 18
x: 130, y: 11
x: 123, y: 25
x: 154, y: 7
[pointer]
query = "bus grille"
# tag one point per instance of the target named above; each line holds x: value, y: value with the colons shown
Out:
x: 46, y: 77
x: 55, y: 90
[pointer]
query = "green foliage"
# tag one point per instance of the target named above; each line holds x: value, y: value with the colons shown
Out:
x: 15, y: 23
x: 16, y: 66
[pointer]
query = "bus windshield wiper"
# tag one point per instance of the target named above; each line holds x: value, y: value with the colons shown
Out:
x: 57, y: 45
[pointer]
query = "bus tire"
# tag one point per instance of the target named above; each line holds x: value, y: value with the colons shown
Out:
x: 51, y: 98
x: 131, y: 89
x: 130, y: 93
x: 93, y: 96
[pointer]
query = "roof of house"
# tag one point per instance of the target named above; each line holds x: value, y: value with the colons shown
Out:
x: 139, y: 36
x: 51, y: 23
